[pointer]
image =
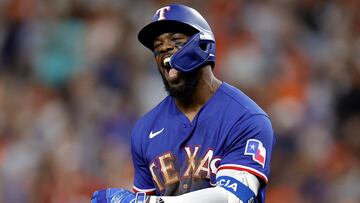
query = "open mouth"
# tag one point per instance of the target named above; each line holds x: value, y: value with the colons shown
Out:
x: 166, y: 61
x: 171, y: 72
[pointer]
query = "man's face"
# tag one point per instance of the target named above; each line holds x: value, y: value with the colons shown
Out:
x: 164, y: 47
x: 176, y: 83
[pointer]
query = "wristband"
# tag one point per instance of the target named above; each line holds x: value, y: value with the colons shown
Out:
x: 241, y: 191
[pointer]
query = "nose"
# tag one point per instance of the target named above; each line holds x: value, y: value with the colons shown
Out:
x: 166, y: 46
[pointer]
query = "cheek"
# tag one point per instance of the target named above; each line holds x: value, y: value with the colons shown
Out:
x: 158, y: 62
x: 156, y: 53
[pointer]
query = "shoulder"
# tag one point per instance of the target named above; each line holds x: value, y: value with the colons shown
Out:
x: 243, y: 115
x: 239, y: 101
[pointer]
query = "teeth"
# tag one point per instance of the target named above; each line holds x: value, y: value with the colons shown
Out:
x: 166, y: 61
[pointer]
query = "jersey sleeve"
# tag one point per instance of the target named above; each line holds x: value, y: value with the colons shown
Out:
x: 142, y: 175
x: 248, y: 147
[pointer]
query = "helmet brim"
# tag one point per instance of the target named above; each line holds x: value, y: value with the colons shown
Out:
x: 150, y: 32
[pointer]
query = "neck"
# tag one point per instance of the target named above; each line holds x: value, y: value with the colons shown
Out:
x: 204, y: 90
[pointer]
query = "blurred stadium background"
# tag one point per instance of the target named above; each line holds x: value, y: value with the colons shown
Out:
x: 74, y: 79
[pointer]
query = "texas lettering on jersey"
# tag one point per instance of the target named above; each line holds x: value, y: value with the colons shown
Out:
x: 173, y: 155
x: 195, y: 167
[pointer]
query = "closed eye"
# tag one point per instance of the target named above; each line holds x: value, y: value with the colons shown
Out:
x: 156, y: 45
x: 178, y: 42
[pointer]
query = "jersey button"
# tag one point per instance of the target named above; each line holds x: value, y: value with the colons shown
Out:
x: 184, y: 125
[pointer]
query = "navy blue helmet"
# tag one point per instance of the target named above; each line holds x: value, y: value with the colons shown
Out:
x: 198, y: 51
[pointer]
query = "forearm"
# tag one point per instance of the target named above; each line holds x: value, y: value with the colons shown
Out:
x: 218, y: 194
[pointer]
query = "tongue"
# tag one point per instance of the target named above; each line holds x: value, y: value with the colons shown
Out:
x: 173, y: 73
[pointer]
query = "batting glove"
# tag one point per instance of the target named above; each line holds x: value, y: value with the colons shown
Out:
x: 117, y: 195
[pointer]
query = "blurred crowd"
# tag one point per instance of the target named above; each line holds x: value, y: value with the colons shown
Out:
x: 74, y: 79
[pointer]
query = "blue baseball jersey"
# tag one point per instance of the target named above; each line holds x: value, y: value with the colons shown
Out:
x: 173, y: 155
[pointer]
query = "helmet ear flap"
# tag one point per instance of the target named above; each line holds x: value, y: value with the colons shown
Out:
x: 209, y: 47
x: 194, y: 54
x: 204, y: 46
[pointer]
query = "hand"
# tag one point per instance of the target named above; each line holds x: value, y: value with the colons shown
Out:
x: 113, y: 195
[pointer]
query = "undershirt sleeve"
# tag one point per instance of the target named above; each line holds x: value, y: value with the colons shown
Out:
x: 214, y: 194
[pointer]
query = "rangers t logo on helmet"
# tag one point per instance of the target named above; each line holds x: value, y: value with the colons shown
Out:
x: 161, y: 12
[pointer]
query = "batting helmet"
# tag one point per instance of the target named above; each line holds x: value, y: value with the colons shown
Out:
x: 200, y: 48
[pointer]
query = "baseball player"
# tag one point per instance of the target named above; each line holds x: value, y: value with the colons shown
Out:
x: 205, y: 142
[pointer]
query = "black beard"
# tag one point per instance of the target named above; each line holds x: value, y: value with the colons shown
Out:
x: 184, y: 93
